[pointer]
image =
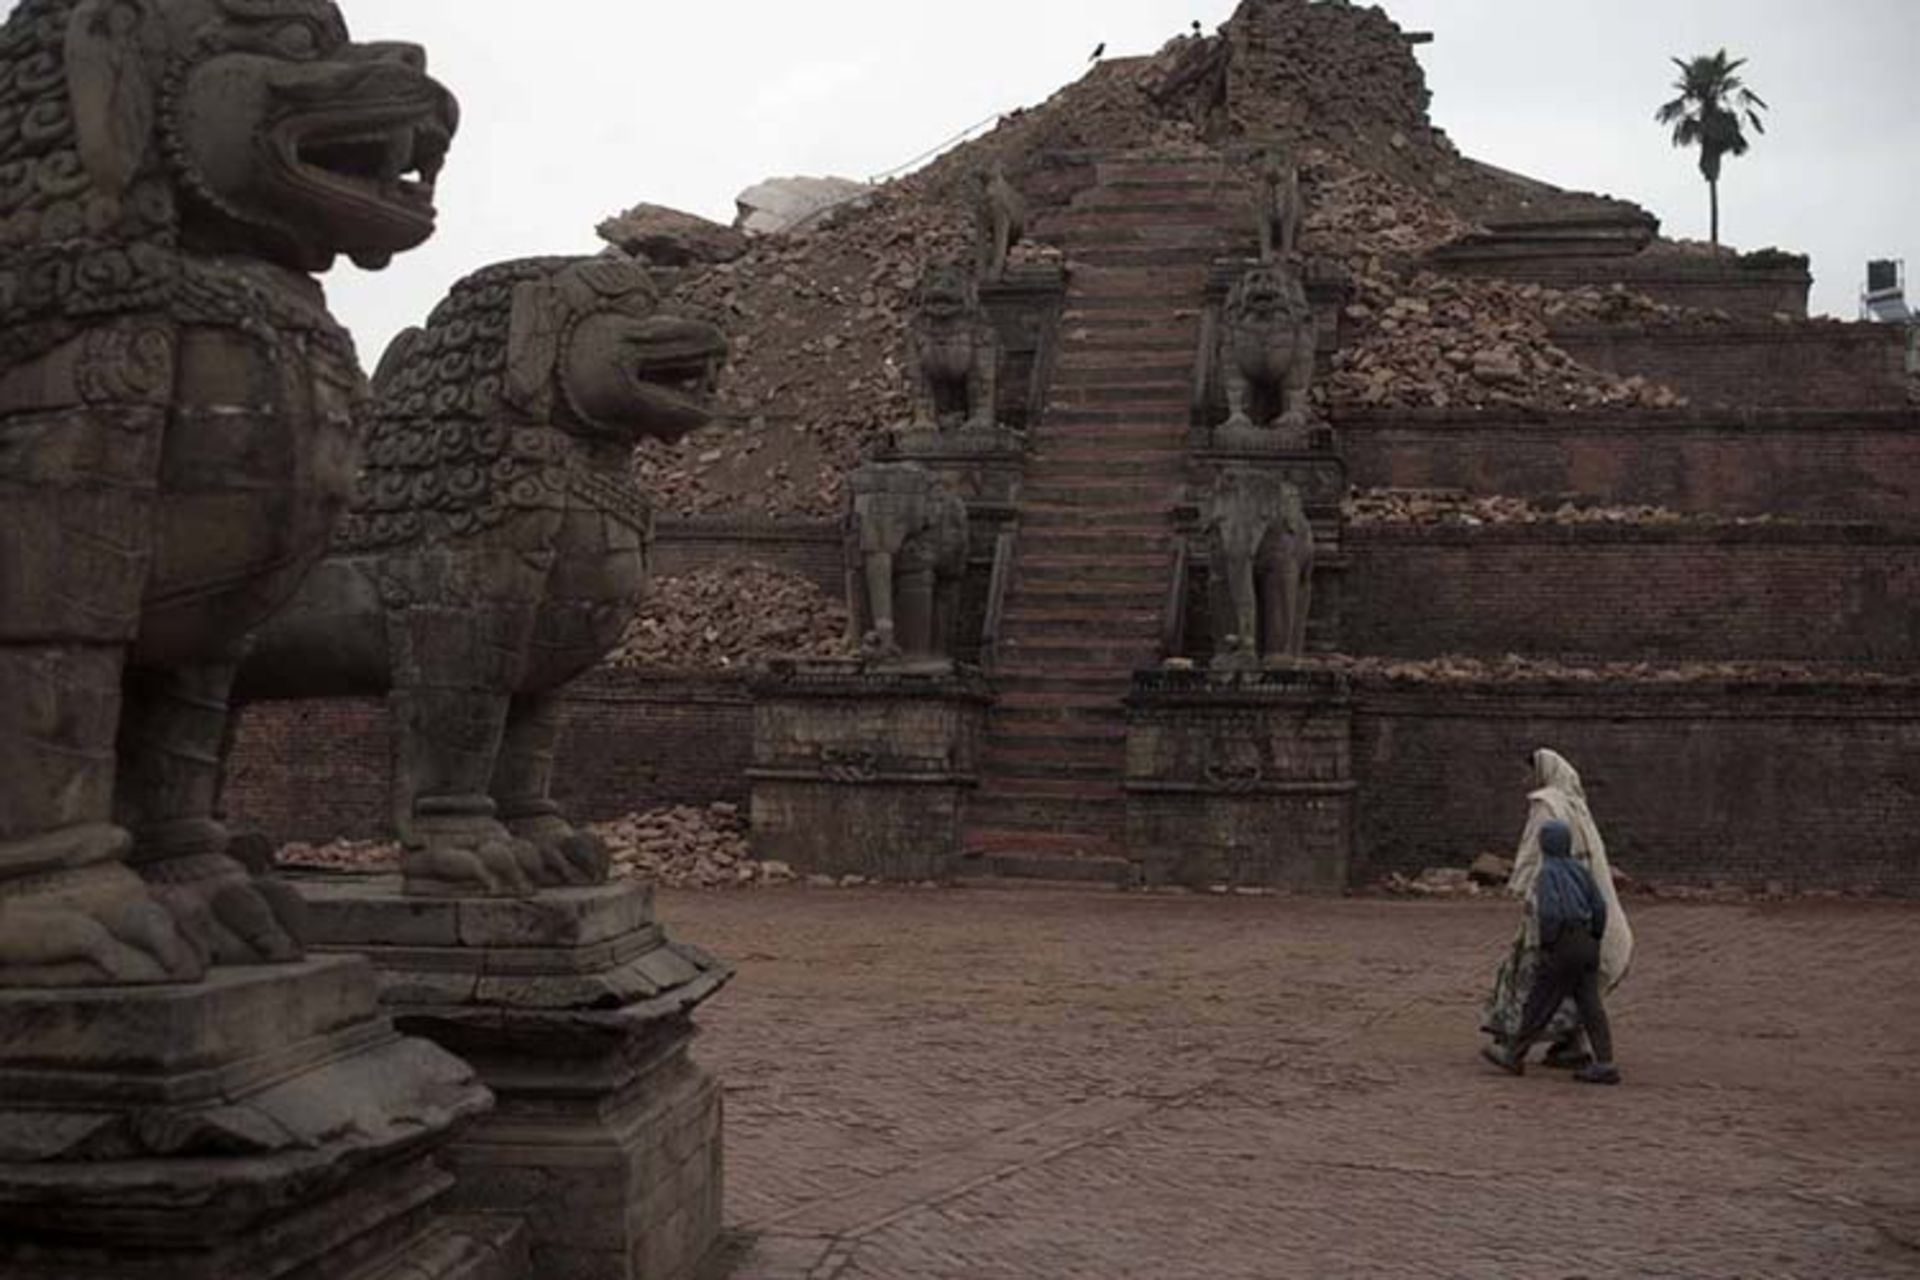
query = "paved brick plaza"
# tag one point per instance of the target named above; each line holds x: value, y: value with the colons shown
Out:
x: 992, y: 1084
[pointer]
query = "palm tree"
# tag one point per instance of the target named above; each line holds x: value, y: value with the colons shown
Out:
x: 1708, y: 115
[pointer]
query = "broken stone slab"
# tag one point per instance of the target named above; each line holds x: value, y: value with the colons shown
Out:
x: 575, y: 1008
x: 265, y: 1122
x: 791, y: 204
x: 1491, y: 869
x: 670, y: 238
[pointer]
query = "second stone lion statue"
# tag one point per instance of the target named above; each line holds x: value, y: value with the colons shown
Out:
x: 494, y: 551
x: 1267, y: 352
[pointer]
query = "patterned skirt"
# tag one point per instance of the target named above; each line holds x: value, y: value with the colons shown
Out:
x: 1507, y: 1003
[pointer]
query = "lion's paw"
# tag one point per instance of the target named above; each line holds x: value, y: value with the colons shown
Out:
x: 485, y: 863
x: 226, y: 914
x: 90, y: 926
x: 565, y: 855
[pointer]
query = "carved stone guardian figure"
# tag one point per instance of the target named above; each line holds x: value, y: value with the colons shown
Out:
x: 494, y: 551
x: 906, y: 558
x: 1261, y: 551
x: 177, y: 434
x: 1000, y: 221
x: 1266, y: 359
x: 1280, y: 208
x: 954, y: 356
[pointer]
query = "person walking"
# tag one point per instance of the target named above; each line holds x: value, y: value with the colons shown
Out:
x: 1557, y: 795
x: 1567, y: 916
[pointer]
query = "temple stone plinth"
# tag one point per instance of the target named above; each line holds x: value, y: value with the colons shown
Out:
x: 863, y: 768
x: 575, y: 1008
x: 1241, y: 777
x: 266, y: 1122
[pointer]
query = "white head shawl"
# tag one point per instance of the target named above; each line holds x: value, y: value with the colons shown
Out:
x: 1559, y: 794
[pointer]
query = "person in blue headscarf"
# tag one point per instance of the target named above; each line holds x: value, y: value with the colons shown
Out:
x: 1568, y: 916
x: 1557, y: 795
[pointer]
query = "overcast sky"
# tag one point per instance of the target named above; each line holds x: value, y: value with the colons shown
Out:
x: 574, y: 109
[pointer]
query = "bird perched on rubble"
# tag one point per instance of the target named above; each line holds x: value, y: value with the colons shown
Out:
x: 1099, y: 51
x: 1196, y: 26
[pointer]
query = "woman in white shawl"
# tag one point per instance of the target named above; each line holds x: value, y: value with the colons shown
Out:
x: 1558, y: 794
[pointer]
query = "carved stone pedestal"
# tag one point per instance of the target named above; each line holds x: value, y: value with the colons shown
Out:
x: 864, y: 769
x: 1241, y: 778
x: 576, y: 1009
x: 267, y: 1123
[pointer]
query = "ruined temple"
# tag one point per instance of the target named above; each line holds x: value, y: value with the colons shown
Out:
x: 1566, y: 479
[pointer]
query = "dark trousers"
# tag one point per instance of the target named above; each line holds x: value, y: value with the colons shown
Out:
x: 1569, y: 966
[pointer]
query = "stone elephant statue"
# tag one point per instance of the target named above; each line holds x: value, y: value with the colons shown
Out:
x: 179, y: 420
x: 906, y: 545
x: 1260, y: 556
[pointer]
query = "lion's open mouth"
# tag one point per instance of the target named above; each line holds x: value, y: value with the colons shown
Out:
x: 399, y: 163
x: 694, y: 376
x: 381, y: 167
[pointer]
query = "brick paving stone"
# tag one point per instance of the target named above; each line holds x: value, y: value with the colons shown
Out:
x: 989, y: 1083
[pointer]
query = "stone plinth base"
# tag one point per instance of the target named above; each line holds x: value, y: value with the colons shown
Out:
x: 268, y: 1122
x: 1241, y: 778
x: 864, y: 770
x: 575, y: 1008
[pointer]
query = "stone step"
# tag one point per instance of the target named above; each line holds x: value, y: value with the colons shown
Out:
x: 1037, y: 621
x: 1076, y: 239
x: 1052, y: 545
x: 1120, y: 655
x: 1043, y: 722
x: 1100, y: 762
x: 1099, y: 345
x: 1090, y: 517
x: 1043, y: 598
x: 1084, y: 368
x: 1097, y: 458
x: 1156, y: 397
x: 1100, y: 816
x: 1094, y: 489
x: 1169, y: 189
x: 1144, y: 256
x: 1160, y: 168
x: 1097, y: 208
x: 1018, y: 855
x: 1170, y: 421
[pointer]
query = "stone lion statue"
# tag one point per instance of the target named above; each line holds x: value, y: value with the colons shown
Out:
x: 1260, y: 550
x: 1267, y: 351
x: 177, y: 434
x: 906, y: 539
x: 955, y: 353
x: 495, y: 550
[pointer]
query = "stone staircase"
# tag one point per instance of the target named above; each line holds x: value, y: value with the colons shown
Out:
x: 1091, y: 572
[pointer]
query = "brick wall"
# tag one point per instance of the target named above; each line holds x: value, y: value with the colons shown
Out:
x: 317, y: 770
x: 810, y: 548
x: 1809, y: 464
x: 1811, y: 785
x: 1832, y: 593
x: 1825, y: 364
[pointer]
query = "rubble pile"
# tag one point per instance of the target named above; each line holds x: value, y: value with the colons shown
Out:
x: 730, y: 618
x: 819, y: 315
x: 1439, y: 342
x: 341, y: 855
x: 1454, y: 508
x: 689, y: 848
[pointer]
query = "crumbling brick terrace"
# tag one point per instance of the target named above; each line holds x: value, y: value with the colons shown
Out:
x: 998, y: 1083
